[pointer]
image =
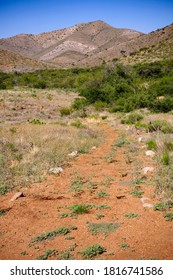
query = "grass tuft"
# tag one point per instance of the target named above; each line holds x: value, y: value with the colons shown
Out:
x: 92, y: 251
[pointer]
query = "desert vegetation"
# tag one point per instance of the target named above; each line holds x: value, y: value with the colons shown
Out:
x: 30, y: 149
x: 114, y: 86
x: 88, y: 148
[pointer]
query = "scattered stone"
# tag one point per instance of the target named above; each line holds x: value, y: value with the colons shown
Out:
x: 16, y: 196
x: 148, y: 205
x: 150, y: 153
x: 143, y: 199
x: 73, y: 154
x: 120, y: 196
x: 145, y: 170
x: 56, y: 170
x: 94, y: 148
x: 141, y: 139
x: 124, y: 174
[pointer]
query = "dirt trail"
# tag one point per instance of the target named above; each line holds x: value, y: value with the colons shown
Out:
x: 105, y: 176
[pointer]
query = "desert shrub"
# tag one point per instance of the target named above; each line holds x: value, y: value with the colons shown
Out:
x: 77, y: 123
x: 65, y: 111
x: 160, y: 125
x: 105, y: 228
x: 165, y: 105
x: 151, y: 145
x: 80, y: 208
x: 168, y: 145
x: 51, y: 234
x: 100, y: 105
x: 79, y: 103
x: 132, y: 118
x: 165, y: 158
x: 162, y: 206
x: 92, y: 251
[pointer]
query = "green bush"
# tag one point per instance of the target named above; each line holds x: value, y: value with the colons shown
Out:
x: 163, y: 206
x: 65, y: 111
x: 165, y: 158
x: 151, y: 145
x: 160, y: 125
x: 100, y: 105
x: 132, y: 118
x: 79, y: 103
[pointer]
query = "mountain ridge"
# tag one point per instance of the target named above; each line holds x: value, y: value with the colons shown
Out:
x: 82, y: 45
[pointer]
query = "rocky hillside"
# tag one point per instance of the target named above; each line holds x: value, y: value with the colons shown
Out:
x: 85, y: 44
x: 10, y: 61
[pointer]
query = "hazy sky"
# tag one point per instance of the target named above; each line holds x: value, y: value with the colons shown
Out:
x: 36, y: 16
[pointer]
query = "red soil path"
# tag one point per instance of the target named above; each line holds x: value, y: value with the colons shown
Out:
x: 108, y: 169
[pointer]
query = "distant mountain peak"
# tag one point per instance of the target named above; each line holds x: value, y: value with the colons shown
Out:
x: 84, y: 44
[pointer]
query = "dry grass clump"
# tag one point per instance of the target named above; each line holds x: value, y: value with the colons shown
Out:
x: 164, y: 155
x: 27, y: 151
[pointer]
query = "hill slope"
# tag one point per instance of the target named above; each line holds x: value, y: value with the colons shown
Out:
x: 86, y: 44
x: 69, y: 46
x: 10, y: 61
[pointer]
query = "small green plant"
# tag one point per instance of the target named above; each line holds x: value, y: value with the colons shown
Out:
x: 82, y: 151
x: 140, y: 180
x: 104, y: 117
x: 58, y: 207
x: 102, y: 194
x: 136, y: 193
x: 49, y: 96
x: 77, y: 186
x: 151, y: 145
x: 13, y: 129
x: 4, y: 189
x: 24, y: 253
x: 120, y: 142
x: 69, y: 237
x: 169, y: 217
x: 67, y: 255
x: 65, y: 111
x: 2, y: 212
x: 103, y: 206
x: 99, y: 216
x: 163, y: 206
x: 104, y: 228
x: 46, y: 254
x: 64, y: 215
x: 77, y: 123
x: 124, y: 246
x: 51, y: 234
x: 40, y: 122
x: 80, y: 208
x: 131, y: 215
x: 165, y: 159
x: 92, y: 251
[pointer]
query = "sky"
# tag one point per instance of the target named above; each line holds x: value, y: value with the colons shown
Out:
x: 37, y: 16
